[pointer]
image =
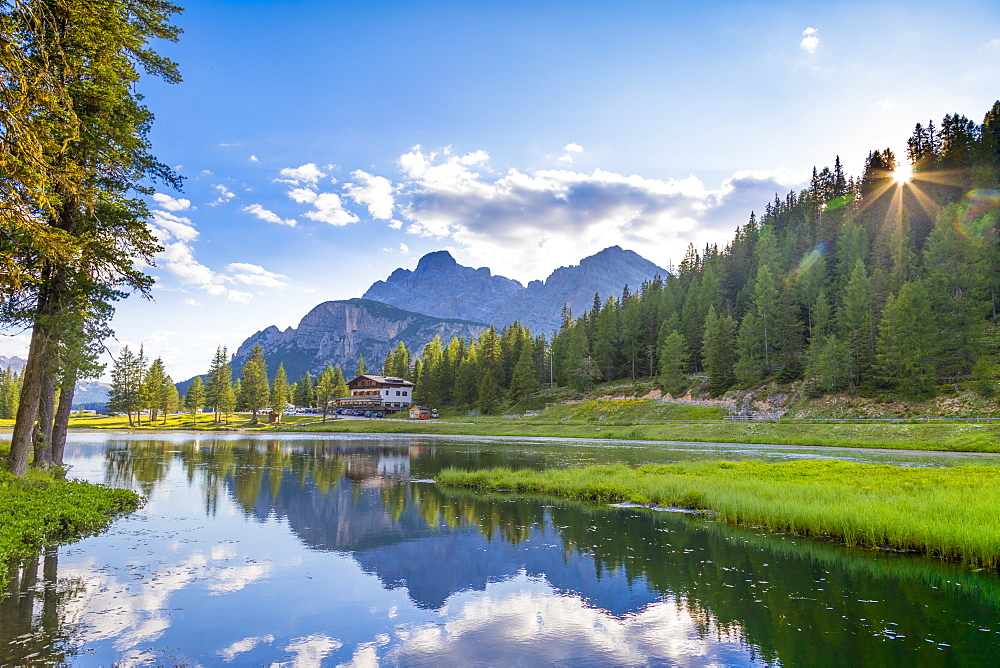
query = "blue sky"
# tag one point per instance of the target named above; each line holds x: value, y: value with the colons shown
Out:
x: 326, y: 143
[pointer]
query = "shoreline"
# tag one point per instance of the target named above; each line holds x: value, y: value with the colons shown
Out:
x: 940, y: 437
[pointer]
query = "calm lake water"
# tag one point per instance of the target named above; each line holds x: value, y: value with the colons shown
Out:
x: 319, y: 550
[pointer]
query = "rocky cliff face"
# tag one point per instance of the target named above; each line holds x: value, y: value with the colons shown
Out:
x: 336, y: 332
x: 440, y: 286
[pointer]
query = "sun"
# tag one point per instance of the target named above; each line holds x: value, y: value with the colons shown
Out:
x: 903, y: 173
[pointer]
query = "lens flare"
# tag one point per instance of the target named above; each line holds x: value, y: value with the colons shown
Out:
x: 903, y: 173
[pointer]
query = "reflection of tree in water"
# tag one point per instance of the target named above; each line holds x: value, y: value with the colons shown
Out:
x: 30, y: 612
x: 799, y: 601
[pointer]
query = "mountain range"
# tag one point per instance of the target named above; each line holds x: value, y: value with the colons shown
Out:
x: 336, y: 332
x: 439, y: 297
x: 441, y: 287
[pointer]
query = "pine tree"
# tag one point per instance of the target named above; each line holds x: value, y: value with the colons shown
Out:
x: 904, y: 359
x: 171, y: 399
x: 718, y: 350
x: 155, y: 388
x: 219, y: 378
x: 362, y: 367
x: 857, y: 323
x: 524, y: 380
x: 673, y: 362
x: 489, y: 372
x: 195, y: 398
x: 325, y: 389
x: 279, y: 391
x: 254, y: 382
x: 304, y: 391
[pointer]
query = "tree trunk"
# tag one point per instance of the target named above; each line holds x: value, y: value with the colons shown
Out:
x: 42, y: 436
x: 61, y: 423
x: 40, y: 358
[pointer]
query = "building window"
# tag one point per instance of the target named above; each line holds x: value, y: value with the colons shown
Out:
x: 404, y: 393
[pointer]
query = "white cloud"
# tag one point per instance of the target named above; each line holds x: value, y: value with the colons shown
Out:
x: 307, y: 173
x: 302, y: 195
x: 395, y: 224
x: 253, y: 158
x: 167, y: 226
x: 170, y: 203
x: 269, y: 216
x: 225, y: 194
x: 252, y: 274
x: 885, y: 103
x: 810, y: 42
x: 177, y: 234
x: 329, y: 209
x: 375, y: 192
x: 525, y: 224
x: 572, y: 149
x: 452, y: 172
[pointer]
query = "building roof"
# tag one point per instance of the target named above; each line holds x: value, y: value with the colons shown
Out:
x: 383, y: 380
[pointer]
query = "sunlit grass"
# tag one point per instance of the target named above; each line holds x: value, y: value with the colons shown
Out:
x: 200, y: 421
x: 949, y: 513
x: 945, y: 437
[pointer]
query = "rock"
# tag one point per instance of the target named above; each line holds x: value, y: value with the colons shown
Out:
x: 335, y: 332
x: 441, y: 287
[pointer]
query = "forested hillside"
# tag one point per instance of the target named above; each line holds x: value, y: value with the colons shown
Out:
x: 880, y: 284
x: 887, y: 283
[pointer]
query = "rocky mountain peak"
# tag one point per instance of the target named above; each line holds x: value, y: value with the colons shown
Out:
x: 441, y: 287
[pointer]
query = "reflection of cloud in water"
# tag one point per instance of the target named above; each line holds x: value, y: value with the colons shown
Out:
x: 245, y: 645
x: 130, y: 605
x: 310, y: 650
x: 560, y: 629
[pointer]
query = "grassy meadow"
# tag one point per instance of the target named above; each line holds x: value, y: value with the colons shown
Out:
x: 939, y: 436
x: 950, y: 513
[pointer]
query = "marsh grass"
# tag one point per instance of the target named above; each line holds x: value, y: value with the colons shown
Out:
x: 40, y: 510
x: 950, y: 513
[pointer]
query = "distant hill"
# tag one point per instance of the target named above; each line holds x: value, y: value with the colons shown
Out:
x: 441, y: 287
x: 335, y: 332
x: 87, y: 391
x: 13, y: 363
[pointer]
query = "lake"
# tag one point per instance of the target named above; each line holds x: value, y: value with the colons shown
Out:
x: 327, y: 550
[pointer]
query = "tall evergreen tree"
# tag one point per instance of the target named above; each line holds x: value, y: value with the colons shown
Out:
x: 279, y: 391
x: 195, y: 399
x: 254, y: 383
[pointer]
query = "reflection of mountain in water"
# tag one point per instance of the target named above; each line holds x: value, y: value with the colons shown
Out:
x: 392, y: 535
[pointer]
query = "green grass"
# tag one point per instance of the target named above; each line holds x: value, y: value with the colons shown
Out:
x: 40, y: 510
x: 949, y: 513
x: 627, y: 410
x: 945, y: 437
x: 202, y: 421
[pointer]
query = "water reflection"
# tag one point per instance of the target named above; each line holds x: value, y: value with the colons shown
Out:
x: 321, y: 552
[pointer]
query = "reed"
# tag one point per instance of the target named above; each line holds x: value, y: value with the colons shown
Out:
x: 950, y: 513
